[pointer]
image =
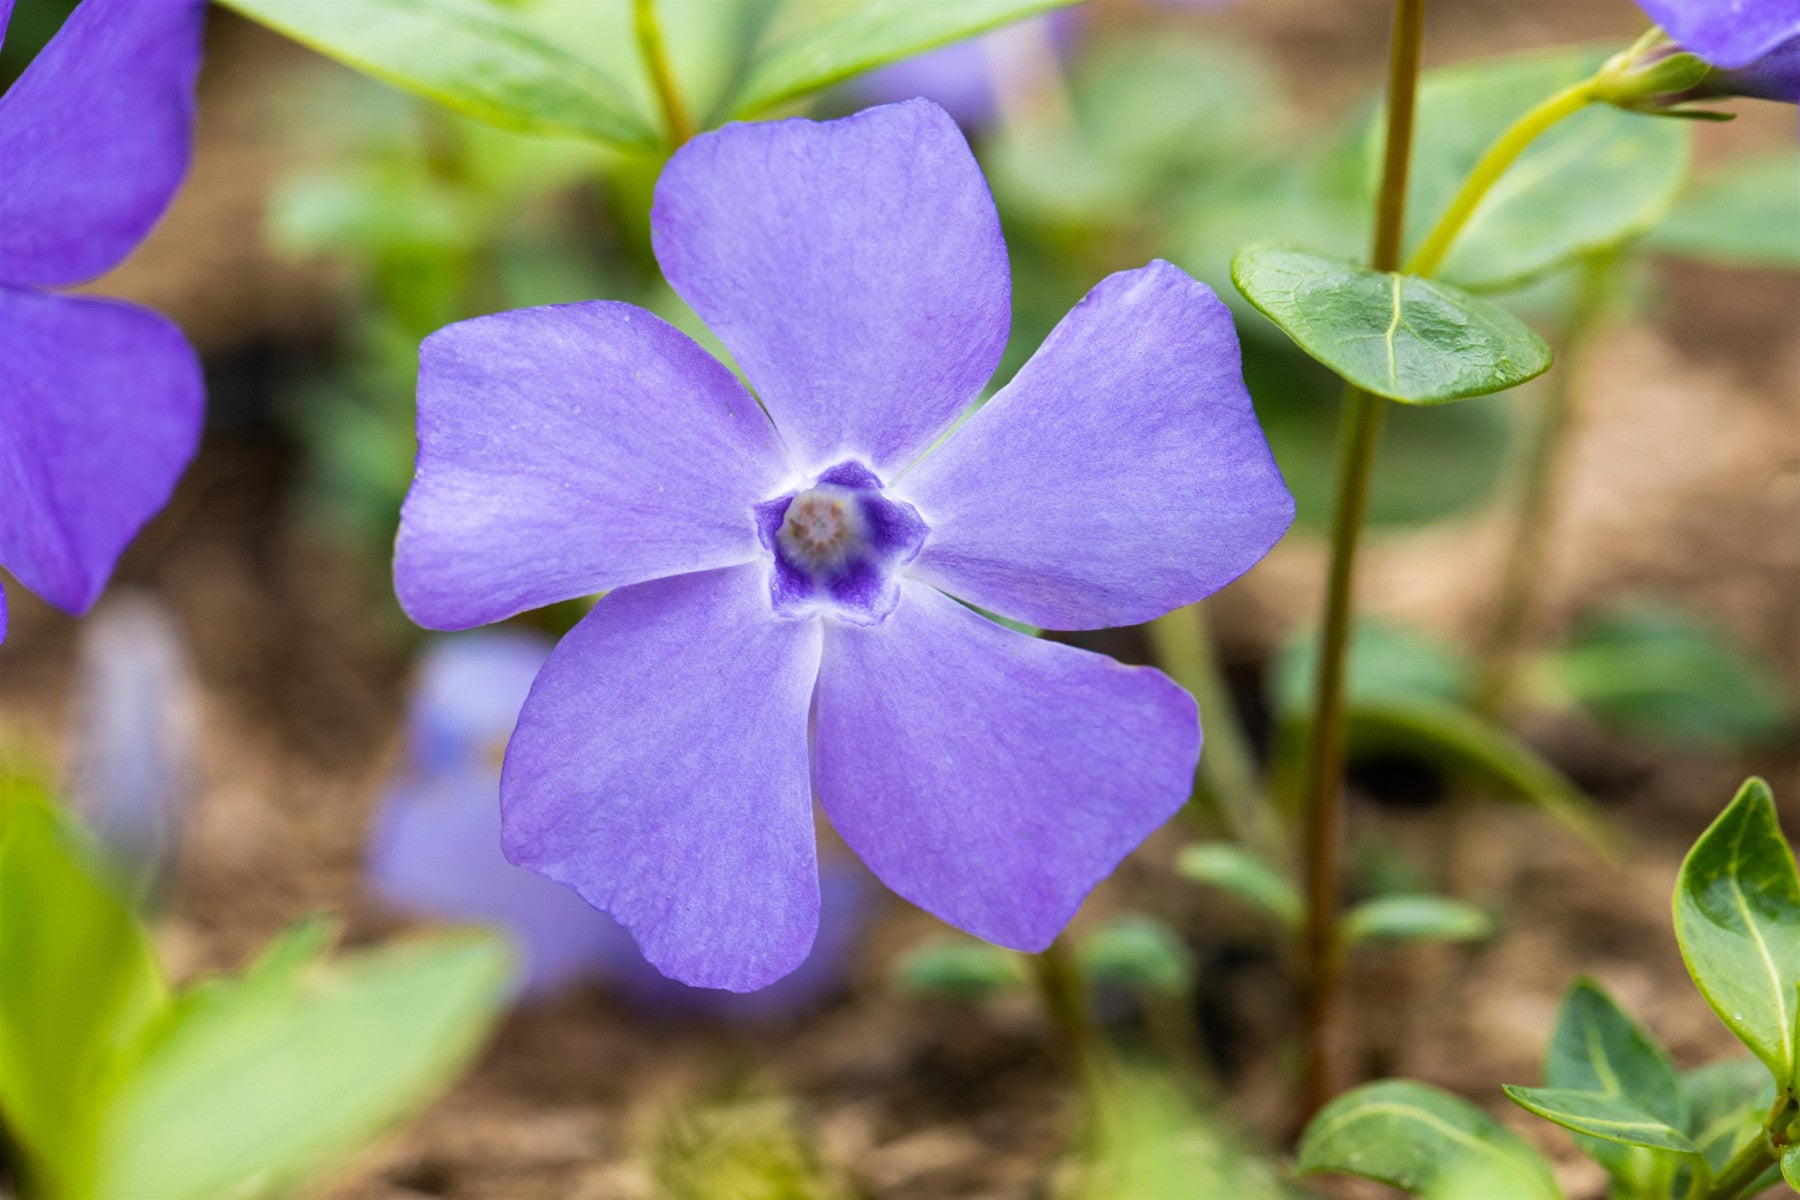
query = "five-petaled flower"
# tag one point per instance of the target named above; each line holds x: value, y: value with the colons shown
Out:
x: 784, y: 579
x: 100, y: 402
x: 1754, y: 44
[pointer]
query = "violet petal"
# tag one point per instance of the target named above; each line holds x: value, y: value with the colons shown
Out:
x: 988, y: 777
x: 100, y: 410
x: 660, y: 769
x: 854, y: 268
x: 96, y: 136
x: 1122, y: 473
x: 569, y: 450
x: 1731, y: 34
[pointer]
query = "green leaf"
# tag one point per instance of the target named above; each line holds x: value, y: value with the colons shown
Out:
x: 1662, y: 674
x: 960, y: 969
x: 1416, y: 918
x: 1745, y: 214
x: 1726, y: 1105
x: 1424, y: 1141
x: 254, y: 1084
x: 1385, y: 662
x: 1140, y: 954
x: 1737, y: 917
x: 841, y: 38
x: 1598, y: 1115
x: 1245, y: 875
x: 1459, y: 741
x: 1790, y: 1167
x: 1593, y: 181
x: 78, y: 985
x: 483, y: 59
x: 1598, y: 1048
x: 1399, y: 336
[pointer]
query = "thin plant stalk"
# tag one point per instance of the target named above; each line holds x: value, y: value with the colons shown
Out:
x: 678, y: 122
x: 1360, y: 430
x: 1228, y: 782
x: 1064, y: 995
x: 1534, y: 517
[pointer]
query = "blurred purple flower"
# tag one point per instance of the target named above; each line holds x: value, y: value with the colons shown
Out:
x: 774, y: 620
x: 964, y: 77
x: 100, y: 402
x: 1727, y: 33
x: 136, y: 740
x: 435, y: 850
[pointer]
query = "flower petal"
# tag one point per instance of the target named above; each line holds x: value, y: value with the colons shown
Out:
x: 1121, y: 473
x: 6, y: 7
x: 100, y: 410
x: 991, y: 778
x: 572, y: 449
x: 854, y: 268
x: 659, y: 769
x: 1726, y: 34
x: 96, y: 136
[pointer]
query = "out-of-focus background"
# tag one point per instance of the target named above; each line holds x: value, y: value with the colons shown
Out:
x: 330, y: 222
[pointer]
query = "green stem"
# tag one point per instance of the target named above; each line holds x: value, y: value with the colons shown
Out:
x: 1490, y: 167
x: 1065, y: 1000
x: 1321, y: 802
x: 1228, y: 778
x: 1502, y: 646
x: 678, y: 122
x: 1745, y: 1168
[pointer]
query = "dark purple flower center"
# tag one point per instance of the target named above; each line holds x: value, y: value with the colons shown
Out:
x: 836, y: 547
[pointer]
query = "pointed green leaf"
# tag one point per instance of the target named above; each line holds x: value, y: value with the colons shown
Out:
x: 1663, y: 674
x: 1461, y: 742
x: 479, y: 58
x: 1726, y: 1105
x: 1598, y: 1048
x: 78, y: 985
x: 1745, y: 214
x: 1591, y: 182
x: 255, y: 1084
x: 1598, y: 1115
x: 959, y: 969
x: 1245, y: 875
x: 837, y: 39
x: 1737, y: 917
x: 1398, y: 336
x: 1416, y: 918
x: 1139, y: 954
x: 1424, y: 1141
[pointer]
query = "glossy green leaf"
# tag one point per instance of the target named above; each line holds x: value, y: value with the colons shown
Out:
x: 1726, y: 1105
x: 1424, y: 1141
x: 254, y: 1084
x: 1598, y: 1115
x: 1737, y: 917
x: 1745, y: 214
x: 1416, y: 918
x: 1385, y: 662
x: 1593, y: 181
x: 1245, y: 875
x: 1139, y: 954
x: 1409, y: 339
x: 836, y: 39
x: 1598, y: 1048
x: 78, y: 985
x: 479, y: 58
x: 1790, y: 1167
x: 1460, y: 742
x: 1665, y: 675
x: 960, y: 969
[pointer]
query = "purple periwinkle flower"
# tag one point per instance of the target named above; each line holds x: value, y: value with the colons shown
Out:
x: 780, y: 575
x: 1727, y: 33
x: 136, y: 738
x: 435, y: 850
x: 1773, y: 76
x: 100, y: 402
